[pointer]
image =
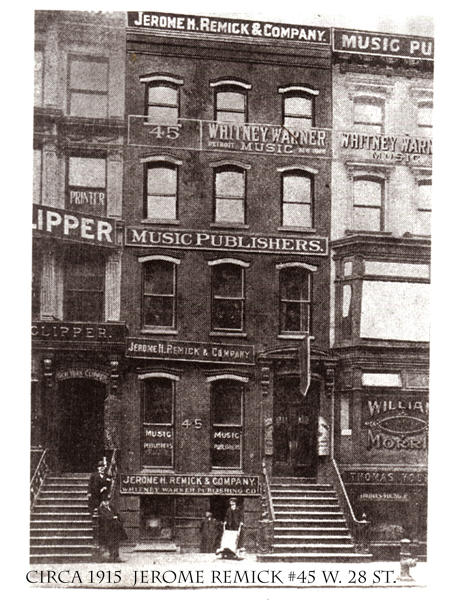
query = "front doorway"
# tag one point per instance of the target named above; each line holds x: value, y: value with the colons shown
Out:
x: 295, y: 427
x: 81, y: 430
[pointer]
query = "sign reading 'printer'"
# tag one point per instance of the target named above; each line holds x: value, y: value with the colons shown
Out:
x: 202, y: 240
x: 196, y: 485
x: 191, y: 351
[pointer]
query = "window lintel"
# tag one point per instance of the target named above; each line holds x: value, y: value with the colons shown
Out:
x: 227, y: 376
x: 305, y: 168
x: 228, y: 163
x: 231, y: 82
x: 298, y: 88
x: 149, y: 258
x: 301, y: 265
x: 165, y: 158
x: 224, y: 261
x: 158, y: 375
x: 160, y: 78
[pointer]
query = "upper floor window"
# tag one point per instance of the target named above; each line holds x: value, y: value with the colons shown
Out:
x: 368, y: 199
x: 231, y: 101
x: 228, y: 295
x: 38, y: 78
x: 161, y: 189
x: 158, y: 395
x: 230, y: 194
x: 297, y: 198
x: 84, y: 285
x: 298, y: 107
x: 294, y: 299
x: 162, y: 102
x: 425, y: 117
x: 37, y: 181
x: 86, y: 184
x: 159, y: 291
x: 368, y: 114
x: 88, y: 87
x: 424, y: 206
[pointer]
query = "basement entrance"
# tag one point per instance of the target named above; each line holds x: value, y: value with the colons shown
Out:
x: 81, y: 424
x: 295, y: 429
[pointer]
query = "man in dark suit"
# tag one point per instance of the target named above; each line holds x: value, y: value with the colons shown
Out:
x: 98, y: 487
x: 111, y: 530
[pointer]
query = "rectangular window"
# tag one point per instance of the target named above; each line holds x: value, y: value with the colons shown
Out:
x: 159, y: 294
x: 230, y: 195
x: 297, y: 200
x: 227, y: 407
x: 368, y: 204
x: 158, y: 422
x: 84, y: 284
x: 295, y: 300
x: 298, y: 111
x: 86, y: 183
x: 161, y: 191
x: 228, y: 297
x: 231, y: 106
x: 162, y: 104
x: 38, y: 78
x: 424, y: 207
x: 368, y: 115
x: 88, y: 87
x: 37, y: 183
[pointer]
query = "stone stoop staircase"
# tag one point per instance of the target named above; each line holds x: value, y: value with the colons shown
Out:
x: 309, y: 524
x: 60, y: 525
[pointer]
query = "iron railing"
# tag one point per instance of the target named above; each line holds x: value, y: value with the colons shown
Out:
x: 39, y: 476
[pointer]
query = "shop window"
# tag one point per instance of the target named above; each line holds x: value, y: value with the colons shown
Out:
x: 228, y: 296
x: 88, y: 87
x: 84, y: 284
x: 158, y: 420
x: 38, y: 78
x: 425, y: 118
x: 294, y: 299
x: 37, y: 182
x: 159, y: 293
x: 161, y: 191
x: 230, y: 194
x: 297, y: 199
x: 368, y: 114
x: 230, y: 101
x: 424, y: 206
x: 368, y: 198
x: 86, y: 184
x: 227, y: 401
x: 157, y: 517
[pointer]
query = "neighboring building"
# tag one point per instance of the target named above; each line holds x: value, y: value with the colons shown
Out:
x: 381, y: 193
x: 225, y: 268
x: 77, y: 337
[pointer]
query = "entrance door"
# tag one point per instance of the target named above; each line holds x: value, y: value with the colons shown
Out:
x: 295, y: 424
x: 81, y: 433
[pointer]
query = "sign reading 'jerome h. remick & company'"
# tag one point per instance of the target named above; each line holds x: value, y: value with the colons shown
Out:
x: 163, y: 483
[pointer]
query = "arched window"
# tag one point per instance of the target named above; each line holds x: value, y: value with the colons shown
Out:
x: 227, y: 406
x: 162, y: 99
x: 368, y: 199
x: 159, y: 292
x: 228, y: 295
x: 230, y: 104
x: 161, y: 190
x: 294, y: 299
x: 157, y: 432
x: 230, y: 193
x: 297, y: 198
x: 298, y: 106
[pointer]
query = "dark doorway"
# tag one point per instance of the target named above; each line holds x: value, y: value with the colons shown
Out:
x: 295, y: 427
x: 81, y: 433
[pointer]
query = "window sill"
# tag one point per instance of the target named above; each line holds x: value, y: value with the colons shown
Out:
x: 229, y: 226
x: 292, y: 336
x: 228, y: 334
x: 159, y: 331
x: 297, y: 229
x: 160, y: 221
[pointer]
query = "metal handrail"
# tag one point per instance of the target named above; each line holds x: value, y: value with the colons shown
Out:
x: 38, y: 477
x: 269, y: 500
x: 360, y: 527
x: 112, y: 472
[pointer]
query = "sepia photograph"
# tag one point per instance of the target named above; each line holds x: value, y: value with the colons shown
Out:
x: 230, y: 299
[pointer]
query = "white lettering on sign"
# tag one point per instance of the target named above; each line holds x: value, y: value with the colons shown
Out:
x: 73, y: 225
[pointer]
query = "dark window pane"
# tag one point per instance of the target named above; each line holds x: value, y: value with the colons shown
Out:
x: 294, y: 284
x: 227, y: 281
x: 158, y: 311
x: 158, y: 401
x: 227, y: 314
x: 159, y: 277
x: 227, y: 402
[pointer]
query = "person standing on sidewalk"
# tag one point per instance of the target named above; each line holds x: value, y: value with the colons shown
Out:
x: 111, y: 530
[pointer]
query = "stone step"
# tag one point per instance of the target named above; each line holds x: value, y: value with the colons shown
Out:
x: 314, y: 548
x: 56, y: 548
x: 53, y: 558
x: 51, y: 540
x: 61, y: 531
x: 301, y: 502
x: 306, y: 513
x: 68, y: 501
x: 311, y: 522
x: 321, y: 537
x: 291, y: 493
x: 307, y: 531
x: 305, y: 557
